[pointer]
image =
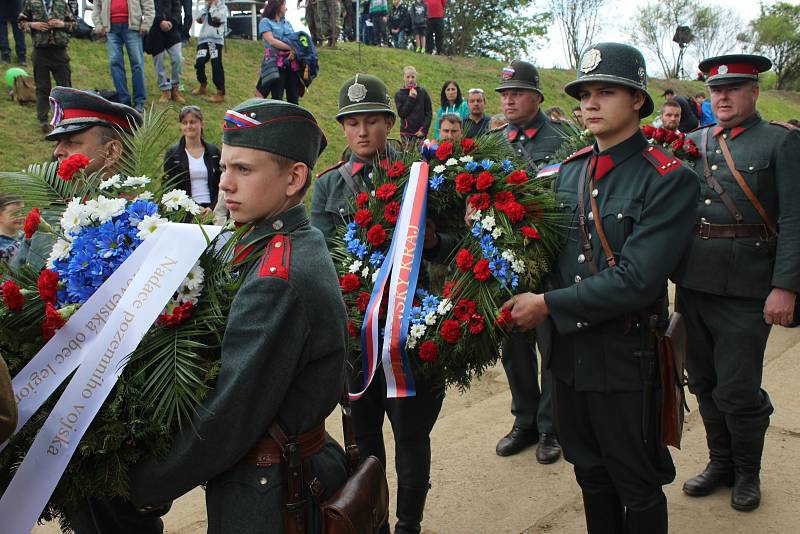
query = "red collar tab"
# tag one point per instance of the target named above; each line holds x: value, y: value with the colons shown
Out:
x: 735, y: 131
x: 602, y: 165
x: 74, y: 113
x: 580, y: 153
x: 530, y: 133
x: 357, y: 166
x: 240, y: 253
x: 747, y: 69
x: 275, y: 261
x: 512, y: 135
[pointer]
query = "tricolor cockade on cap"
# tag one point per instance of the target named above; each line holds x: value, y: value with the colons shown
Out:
x: 519, y: 75
x: 733, y: 68
x: 75, y: 110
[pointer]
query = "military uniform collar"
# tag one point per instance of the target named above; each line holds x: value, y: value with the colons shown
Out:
x: 529, y: 131
x: 743, y: 127
x: 283, y: 223
x: 357, y: 164
x: 603, y: 162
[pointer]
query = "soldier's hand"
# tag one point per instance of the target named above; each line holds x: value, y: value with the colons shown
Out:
x: 468, y: 213
x: 55, y: 23
x: 528, y: 310
x: 40, y: 26
x: 779, y: 307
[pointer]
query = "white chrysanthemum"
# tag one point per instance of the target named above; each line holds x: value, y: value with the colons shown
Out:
x: 465, y: 159
x: 192, y: 207
x: 144, y: 195
x: 104, y: 209
x: 188, y: 295
x: 60, y: 251
x: 439, y: 169
x: 430, y: 318
x: 75, y: 217
x: 508, y: 255
x: 450, y: 162
x: 488, y: 222
x: 114, y: 181
x: 149, y: 225
x: 355, y: 267
x: 518, y: 266
x: 475, y: 215
x: 174, y: 200
x: 497, y: 232
x: 444, y: 306
x: 194, y: 279
x: 136, y: 181
x: 418, y: 330
x: 365, y: 273
x: 411, y: 342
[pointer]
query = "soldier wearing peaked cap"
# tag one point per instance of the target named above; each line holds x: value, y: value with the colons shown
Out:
x: 367, y: 118
x: 740, y: 275
x: 282, y: 369
x: 535, y: 138
x: 626, y: 204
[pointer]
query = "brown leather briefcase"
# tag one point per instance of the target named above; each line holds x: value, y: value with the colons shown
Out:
x: 672, y: 364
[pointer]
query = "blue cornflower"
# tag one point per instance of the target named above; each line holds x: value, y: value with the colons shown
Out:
x: 361, y: 251
x: 416, y: 316
x: 352, y: 246
x: 487, y: 164
x: 514, y: 281
x: 111, y: 238
x: 430, y: 303
x: 377, y: 259
x: 471, y: 166
x: 421, y: 293
x: 138, y: 209
x: 436, y: 182
x: 507, y: 165
x: 476, y: 229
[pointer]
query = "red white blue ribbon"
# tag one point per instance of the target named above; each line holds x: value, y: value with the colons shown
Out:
x: 235, y: 120
x: 400, y: 271
x: 550, y: 170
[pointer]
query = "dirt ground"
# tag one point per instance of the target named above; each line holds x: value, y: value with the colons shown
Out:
x: 476, y: 491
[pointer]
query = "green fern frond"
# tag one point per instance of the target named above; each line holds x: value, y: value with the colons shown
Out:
x: 144, y: 149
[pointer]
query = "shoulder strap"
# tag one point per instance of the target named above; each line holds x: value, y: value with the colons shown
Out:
x: 714, y: 184
x: 350, y: 446
x: 347, y: 173
x: 598, y: 224
x: 586, y: 246
x: 292, y: 467
x: 746, y: 188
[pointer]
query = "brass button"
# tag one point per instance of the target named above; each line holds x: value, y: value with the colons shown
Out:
x: 758, y: 243
x: 703, y: 219
x: 619, y: 216
x: 577, y: 278
x: 750, y: 168
x: 581, y: 258
x: 277, y: 225
x: 341, y: 210
x: 585, y: 324
x: 579, y: 324
x: 707, y: 202
x: 714, y: 167
x: 724, y: 136
x: 273, y: 269
x: 718, y: 151
x: 590, y: 216
x: 278, y: 244
x: 263, y: 481
x: 595, y: 192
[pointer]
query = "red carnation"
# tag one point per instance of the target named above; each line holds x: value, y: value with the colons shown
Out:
x: 504, y: 320
x: 351, y: 328
x: 691, y: 149
x: 444, y: 150
x: 451, y: 331
x: 502, y: 198
x: 52, y: 321
x: 677, y: 144
x: 464, y: 182
x: 376, y: 235
x: 12, y: 296
x: 670, y: 136
x: 476, y: 324
x: 448, y: 288
x: 517, y: 177
x: 32, y: 222
x: 391, y: 212
x: 648, y: 131
x: 485, y: 181
x: 362, y: 300
x: 514, y: 211
x: 362, y: 199
x: 481, y: 270
x: 396, y: 170
x: 464, y: 260
x: 481, y: 201
x: 178, y: 315
x: 349, y: 283
x: 468, y: 145
x: 530, y: 233
x: 428, y: 351
x: 363, y: 218
x: 464, y: 309
x: 48, y: 285
x: 386, y: 192
x: 71, y: 165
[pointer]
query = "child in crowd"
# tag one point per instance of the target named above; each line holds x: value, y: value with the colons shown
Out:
x: 419, y: 23
x: 209, y: 48
x: 11, y: 221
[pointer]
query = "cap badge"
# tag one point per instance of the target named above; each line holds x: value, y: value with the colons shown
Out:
x: 234, y: 120
x: 357, y: 92
x: 591, y: 60
x: 723, y: 69
x: 641, y: 74
x: 507, y: 74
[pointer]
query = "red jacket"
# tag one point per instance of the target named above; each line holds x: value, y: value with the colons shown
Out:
x: 435, y: 8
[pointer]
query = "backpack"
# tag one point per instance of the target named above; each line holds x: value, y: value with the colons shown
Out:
x: 24, y: 90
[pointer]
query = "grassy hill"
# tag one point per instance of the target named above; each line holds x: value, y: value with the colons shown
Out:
x: 21, y: 141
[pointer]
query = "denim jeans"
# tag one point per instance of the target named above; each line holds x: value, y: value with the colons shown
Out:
x: 118, y: 36
x: 9, y: 11
x: 399, y: 39
x: 176, y: 59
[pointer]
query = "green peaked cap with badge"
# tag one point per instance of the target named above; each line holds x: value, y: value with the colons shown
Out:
x: 733, y: 68
x: 363, y: 94
x: 277, y: 127
x: 615, y: 63
x: 520, y: 75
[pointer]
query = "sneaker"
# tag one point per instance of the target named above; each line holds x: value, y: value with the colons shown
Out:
x: 22, y: 62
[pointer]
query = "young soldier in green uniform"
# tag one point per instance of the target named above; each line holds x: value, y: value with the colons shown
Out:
x: 535, y: 138
x: 280, y: 364
x: 367, y: 119
x: 626, y: 204
x: 740, y: 275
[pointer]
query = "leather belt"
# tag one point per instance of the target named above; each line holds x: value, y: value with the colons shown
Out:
x: 267, y: 452
x: 709, y: 231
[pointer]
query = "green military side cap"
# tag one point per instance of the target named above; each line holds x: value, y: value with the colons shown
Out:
x: 363, y: 94
x: 616, y: 63
x: 520, y: 75
x: 733, y: 68
x: 277, y: 127
x: 75, y: 110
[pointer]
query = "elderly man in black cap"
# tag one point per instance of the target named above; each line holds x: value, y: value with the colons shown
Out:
x: 84, y: 123
x: 740, y: 275
x: 626, y: 204
x: 282, y: 369
x: 535, y: 138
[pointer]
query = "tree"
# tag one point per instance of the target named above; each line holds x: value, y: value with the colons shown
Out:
x: 577, y: 22
x: 653, y: 27
x: 715, y: 30
x: 501, y: 29
x: 776, y: 33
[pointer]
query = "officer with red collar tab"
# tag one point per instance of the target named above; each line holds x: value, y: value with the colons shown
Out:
x: 535, y: 138
x: 740, y: 275
x: 626, y: 205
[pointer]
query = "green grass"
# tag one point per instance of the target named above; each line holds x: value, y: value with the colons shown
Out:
x: 21, y: 141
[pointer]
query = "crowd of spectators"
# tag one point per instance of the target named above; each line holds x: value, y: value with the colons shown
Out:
x: 414, y: 24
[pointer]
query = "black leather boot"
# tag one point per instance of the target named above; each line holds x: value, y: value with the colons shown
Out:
x: 746, y: 494
x: 410, y: 505
x: 604, y: 514
x: 719, y: 471
x: 654, y: 520
x: 515, y: 441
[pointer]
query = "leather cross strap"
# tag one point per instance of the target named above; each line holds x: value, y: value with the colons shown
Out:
x: 714, y: 184
x: 746, y: 188
x: 355, y: 185
x: 350, y: 446
x: 598, y: 223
